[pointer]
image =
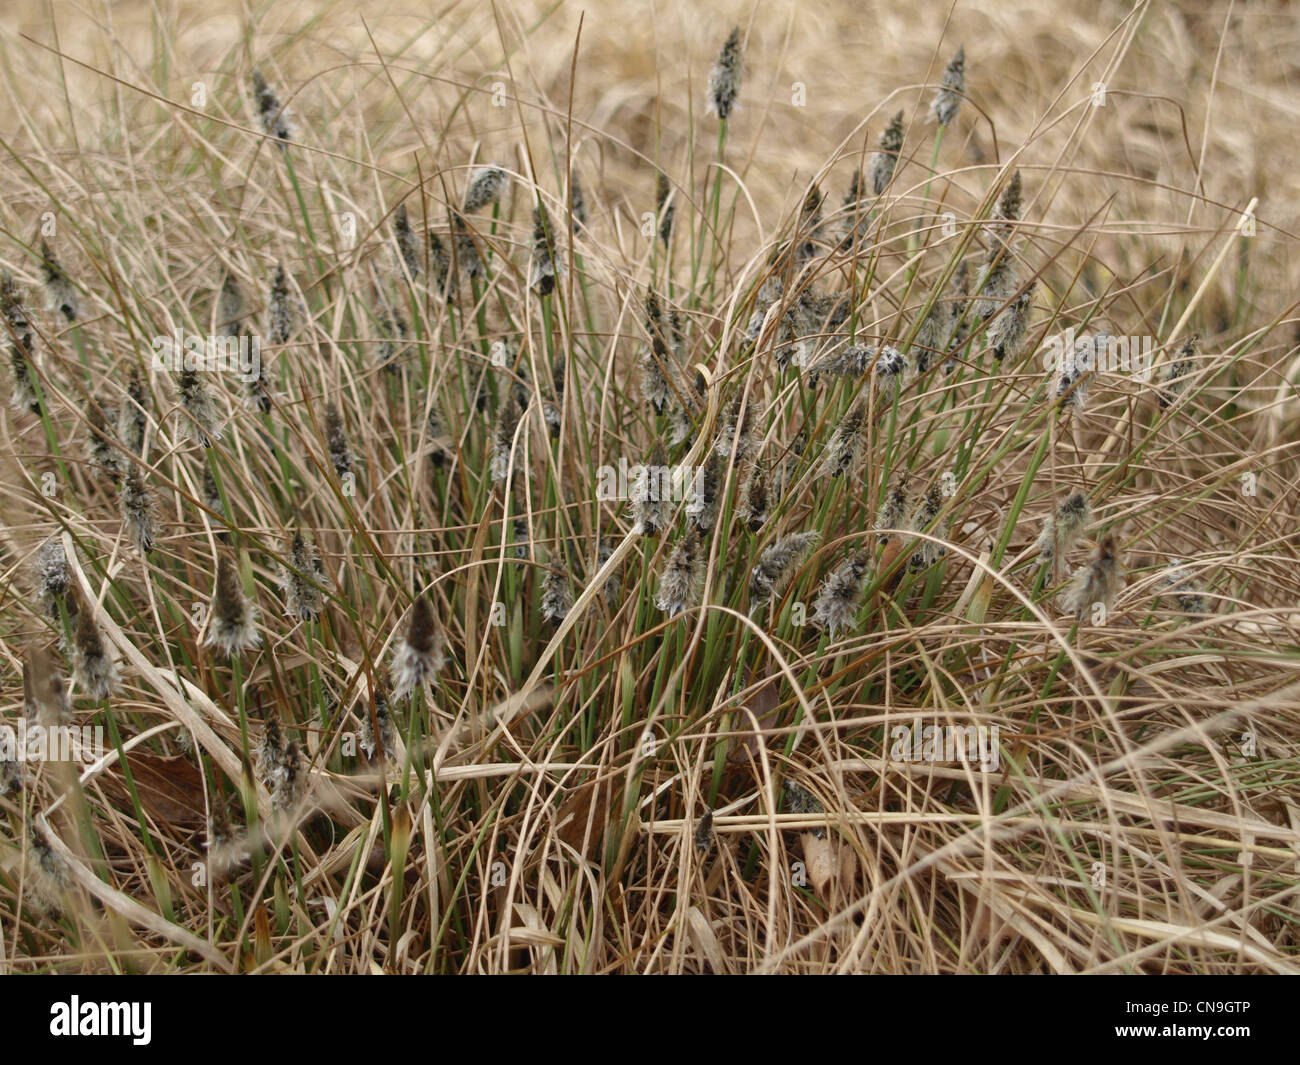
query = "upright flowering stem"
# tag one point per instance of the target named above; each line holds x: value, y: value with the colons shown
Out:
x: 946, y: 103
x: 913, y: 238
x: 715, y: 201
x: 237, y: 687
x: 724, y: 87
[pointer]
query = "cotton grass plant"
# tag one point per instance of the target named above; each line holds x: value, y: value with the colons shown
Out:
x: 374, y: 656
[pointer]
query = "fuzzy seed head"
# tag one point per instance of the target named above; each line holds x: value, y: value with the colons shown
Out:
x: 1095, y: 583
x: 703, y: 507
x: 139, y: 507
x: 270, y: 112
x: 487, y: 184
x: 231, y: 306
x: 776, y: 566
x: 756, y: 497
x: 947, y: 101
x: 884, y: 161
x: 1008, y: 208
x: 557, y: 596
x: 212, y: 497
x: 392, y: 334
x: 419, y: 657
x: 836, y: 605
x: 467, y: 259
x: 21, y: 339
x: 554, y: 422
x: 922, y: 519
x: 132, y: 415
x: 270, y: 751
x: 381, y: 742
x: 651, y: 505
x: 613, y: 586
x: 1003, y: 225
x: 656, y: 361
x: 289, y: 782
x: 204, y: 423
x: 724, y: 78
x: 11, y: 304
x: 336, y: 440
x: 408, y: 255
x: 232, y: 617
x: 736, y: 433
x: 59, y: 289
x: 303, y: 580
x: 545, y: 265
x: 523, y: 543
x: 931, y: 338
x: 1177, y: 376
x: 956, y: 299
x: 23, y: 397
x: 577, y: 202
x: 847, y: 442
x: 45, y: 876
x: 52, y: 579
x: 682, y: 576
x: 704, y: 832
x: 503, y: 438
x: 1072, y: 388
x: 439, y: 265
x: 799, y: 800
x: 768, y: 293
x: 93, y: 667
x: 1007, y: 333
x: 810, y: 223
x: 853, y: 361
x: 259, y: 389
x: 279, y: 308
x: 12, y: 777
x: 664, y: 207
x: 890, y: 368
x: 895, y: 508
x: 1062, y: 530
x: 45, y: 689
x: 1000, y: 283
x: 682, y: 413
x: 436, y: 437
x: 1188, y: 596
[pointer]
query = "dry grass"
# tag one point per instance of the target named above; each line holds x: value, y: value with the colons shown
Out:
x: 544, y: 805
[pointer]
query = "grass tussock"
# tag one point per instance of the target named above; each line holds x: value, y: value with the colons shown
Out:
x: 662, y: 528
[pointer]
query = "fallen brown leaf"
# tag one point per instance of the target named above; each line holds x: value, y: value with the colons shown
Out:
x: 170, y: 789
